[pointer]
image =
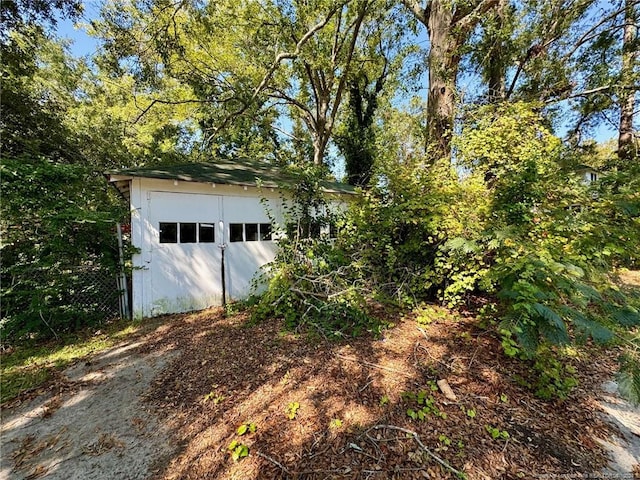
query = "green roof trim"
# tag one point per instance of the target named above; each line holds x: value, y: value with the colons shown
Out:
x: 243, y: 172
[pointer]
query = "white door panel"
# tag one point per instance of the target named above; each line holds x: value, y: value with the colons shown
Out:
x: 183, y: 276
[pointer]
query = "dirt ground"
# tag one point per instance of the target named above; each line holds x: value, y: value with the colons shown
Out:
x: 91, y: 423
x: 167, y: 405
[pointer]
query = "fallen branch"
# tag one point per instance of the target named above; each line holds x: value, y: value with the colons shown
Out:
x: 416, y: 437
x: 274, y: 461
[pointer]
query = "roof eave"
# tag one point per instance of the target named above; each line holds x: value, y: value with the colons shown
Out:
x: 117, y: 178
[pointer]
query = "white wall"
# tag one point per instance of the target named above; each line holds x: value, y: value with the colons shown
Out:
x: 589, y: 176
x: 179, y: 277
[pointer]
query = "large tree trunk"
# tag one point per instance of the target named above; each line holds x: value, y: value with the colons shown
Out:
x: 444, y: 60
x: 449, y: 27
x: 320, y: 143
x: 626, y: 145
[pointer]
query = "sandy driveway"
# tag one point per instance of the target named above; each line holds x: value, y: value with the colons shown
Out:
x: 97, y: 428
x: 624, y: 448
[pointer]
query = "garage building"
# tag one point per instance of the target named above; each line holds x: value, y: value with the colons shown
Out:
x: 183, y: 216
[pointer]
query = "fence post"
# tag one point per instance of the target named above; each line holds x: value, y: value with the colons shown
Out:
x: 122, y: 279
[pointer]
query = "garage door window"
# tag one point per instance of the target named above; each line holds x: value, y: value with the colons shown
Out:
x: 187, y: 233
x: 249, y: 232
x: 168, y: 232
x: 207, y: 233
x: 236, y: 232
x: 265, y: 231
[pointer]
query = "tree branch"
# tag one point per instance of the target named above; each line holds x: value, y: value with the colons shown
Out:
x: 313, y: 82
x: 165, y: 102
x: 345, y: 74
x: 336, y: 47
x: 592, y: 91
x: 307, y: 114
x: 291, y: 55
x: 586, y: 36
x: 276, y: 63
x: 415, y: 436
x: 532, y: 51
x: 469, y: 21
x: 422, y: 14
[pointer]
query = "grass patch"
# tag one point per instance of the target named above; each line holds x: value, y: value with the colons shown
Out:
x: 31, y: 364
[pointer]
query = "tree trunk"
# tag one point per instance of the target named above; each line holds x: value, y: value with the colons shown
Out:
x: 322, y: 123
x: 626, y: 144
x: 319, y: 147
x: 443, y: 62
x: 496, y: 67
x: 449, y: 25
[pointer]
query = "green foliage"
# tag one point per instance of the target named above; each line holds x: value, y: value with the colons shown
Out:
x: 555, y: 378
x: 310, y: 282
x: 292, y: 410
x: 394, y: 230
x: 308, y: 285
x: 425, y: 314
x: 56, y: 212
x: 356, y: 139
x: 246, y: 427
x: 461, y: 266
x: 214, y: 397
x: 53, y: 219
x: 238, y: 450
x: 444, y: 440
x: 335, y: 424
x: 510, y: 345
x: 547, y: 244
x: 423, y: 405
x: 402, y: 229
x: 496, y: 433
x: 237, y: 67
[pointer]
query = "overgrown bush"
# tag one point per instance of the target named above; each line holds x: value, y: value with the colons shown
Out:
x: 311, y: 282
x: 53, y: 221
x: 397, y: 228
x: 309, y: 285
x: 514, y: 223
x: 550, y: 240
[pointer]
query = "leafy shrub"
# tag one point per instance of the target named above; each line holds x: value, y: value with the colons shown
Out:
x: 55, y: 218
x: 308, y: 284
x: 311, y: 281
x: 548, y: 242
x: 555, y: 378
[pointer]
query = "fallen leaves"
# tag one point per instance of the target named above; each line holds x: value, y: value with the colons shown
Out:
x: 360, y: 383
x: 105, y: 443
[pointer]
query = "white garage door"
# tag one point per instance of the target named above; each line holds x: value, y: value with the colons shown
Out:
x: 184, y: 272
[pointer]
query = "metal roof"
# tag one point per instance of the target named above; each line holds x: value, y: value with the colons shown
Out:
x: 223, y: 171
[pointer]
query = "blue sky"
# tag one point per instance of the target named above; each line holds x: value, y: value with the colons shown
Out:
x: 81, y: 44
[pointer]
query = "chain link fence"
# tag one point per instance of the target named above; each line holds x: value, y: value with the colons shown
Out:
x: 58, y: 299
x: 94, y: 289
